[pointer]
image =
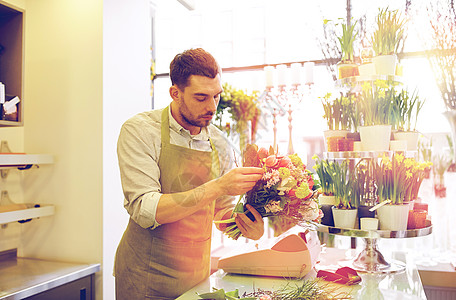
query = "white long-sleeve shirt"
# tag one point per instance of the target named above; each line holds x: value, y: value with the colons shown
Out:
x: 138, y: 151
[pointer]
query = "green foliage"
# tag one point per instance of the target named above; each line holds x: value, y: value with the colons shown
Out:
x: 322, y: 167
x: 389, y: 35
x: 346, y: 42
x: 338, y: 111
x: 406, y: 108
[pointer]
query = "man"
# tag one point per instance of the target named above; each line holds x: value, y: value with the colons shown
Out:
x: 176, y: 176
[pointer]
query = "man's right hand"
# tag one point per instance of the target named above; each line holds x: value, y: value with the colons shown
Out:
x: 239, y: 180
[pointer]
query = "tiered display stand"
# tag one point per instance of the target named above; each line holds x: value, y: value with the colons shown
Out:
x: 370, y: 259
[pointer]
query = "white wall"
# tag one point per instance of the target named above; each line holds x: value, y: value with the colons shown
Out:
x: 126, y: 91
x: 63, y: 117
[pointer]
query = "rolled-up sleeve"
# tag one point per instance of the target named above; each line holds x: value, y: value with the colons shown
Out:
x: 139, y: 172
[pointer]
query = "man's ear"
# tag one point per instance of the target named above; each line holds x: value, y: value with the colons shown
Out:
x: 174, y: 92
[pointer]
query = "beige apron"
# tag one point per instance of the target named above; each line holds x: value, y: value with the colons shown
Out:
x: 165, y: 262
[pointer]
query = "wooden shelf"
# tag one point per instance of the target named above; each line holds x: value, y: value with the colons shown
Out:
x: 21, y: 160
x: 25, y: 214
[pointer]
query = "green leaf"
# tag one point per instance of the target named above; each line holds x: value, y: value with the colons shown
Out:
x: 217, y: 295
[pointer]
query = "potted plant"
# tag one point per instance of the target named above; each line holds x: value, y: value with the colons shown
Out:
x: 406, y: 108
x: 243, y: 112
x: 441, y: 162
x: 387, y: 39
x: 364, y: 188
x: 347, y: 66
x: 398, y: 180
x: 376, y: 110
x: 425, y: 154
x: 326, y: 199
x: 345, y: 211
x: 337, y: 116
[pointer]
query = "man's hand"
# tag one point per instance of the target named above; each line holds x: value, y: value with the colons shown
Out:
x: 250, y: 229
x: 239, y: 180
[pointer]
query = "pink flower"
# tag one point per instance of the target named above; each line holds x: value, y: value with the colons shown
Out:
x: 262, y: 153
x: 265, y: 297
x: 271, y: 161
x: 284, y: 162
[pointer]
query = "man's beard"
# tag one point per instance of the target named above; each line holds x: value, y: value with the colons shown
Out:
x: 188, y: 117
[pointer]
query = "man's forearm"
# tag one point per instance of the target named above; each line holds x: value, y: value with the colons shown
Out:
x: 173, y: 207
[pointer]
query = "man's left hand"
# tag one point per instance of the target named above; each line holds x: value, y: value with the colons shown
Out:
x: 250, y: 229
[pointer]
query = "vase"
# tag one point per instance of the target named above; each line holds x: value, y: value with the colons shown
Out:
x: 451, y: 116
x: 411, y: 137
x: 330, y: 136
x: 344, y: 218
x: 326, y: 204
x: 393, y: 216
x: 375, y: 137
x: 385, y: 64
x: 347, y: 70
x: 367, y: 70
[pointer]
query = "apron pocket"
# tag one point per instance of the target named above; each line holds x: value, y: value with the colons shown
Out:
x: 175, y: 267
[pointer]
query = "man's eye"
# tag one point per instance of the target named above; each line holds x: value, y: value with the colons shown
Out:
x: 200, y: 98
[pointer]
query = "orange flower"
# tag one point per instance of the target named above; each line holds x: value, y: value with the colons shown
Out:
x: 271, y: 161
x: 262, y: 153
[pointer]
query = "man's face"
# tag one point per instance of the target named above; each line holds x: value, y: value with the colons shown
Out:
x: 197, y: 103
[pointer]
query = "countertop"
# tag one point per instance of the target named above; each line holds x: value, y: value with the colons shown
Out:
x: 401, y: 285
x: 24, y: 277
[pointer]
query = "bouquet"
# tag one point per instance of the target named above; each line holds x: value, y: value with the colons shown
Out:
x: 287, y: 189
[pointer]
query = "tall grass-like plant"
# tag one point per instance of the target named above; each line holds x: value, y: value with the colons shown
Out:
x: 376, y: 103
x: 338, y: 112
x: 347, y: 41
x: 342, y: 184
x: 406, y: 108
x: 322, y: 168
x: 389, y: 35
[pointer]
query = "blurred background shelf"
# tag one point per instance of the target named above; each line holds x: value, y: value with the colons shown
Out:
x: 23, y: 160
x: 26, y: 214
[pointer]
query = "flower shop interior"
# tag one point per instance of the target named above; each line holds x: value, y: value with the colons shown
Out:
x: 304, y: 80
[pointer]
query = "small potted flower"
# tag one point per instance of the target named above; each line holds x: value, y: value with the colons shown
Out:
x: 398, y: 180
x: 387, y: 39
x: 326, y: 199
x: 406, y: 108
x: 337, y: 113
x: 441, y: 163
x: 376, y: 110
x: 344, y: 212
x: 347, y: 67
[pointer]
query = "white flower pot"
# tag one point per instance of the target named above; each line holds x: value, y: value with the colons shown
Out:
x: 398, y: 145
x: 344, y: 218
x: 375, y: 138
x: 393, y: 217
x: 411, y: 138
x: 367, y: 70
x: 385, y: 64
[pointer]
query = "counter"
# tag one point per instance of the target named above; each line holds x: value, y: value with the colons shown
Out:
x: 26, y: 277
x: 403, y: 285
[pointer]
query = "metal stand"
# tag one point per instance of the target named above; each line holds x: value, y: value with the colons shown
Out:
x: 370, y: 259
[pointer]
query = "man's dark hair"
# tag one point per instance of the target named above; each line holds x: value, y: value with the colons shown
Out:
x: 192, y: 62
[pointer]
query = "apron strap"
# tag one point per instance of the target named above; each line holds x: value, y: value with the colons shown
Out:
x: 165, y: 140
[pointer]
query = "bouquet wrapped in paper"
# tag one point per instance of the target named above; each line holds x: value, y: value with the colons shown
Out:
x: 287, y: 189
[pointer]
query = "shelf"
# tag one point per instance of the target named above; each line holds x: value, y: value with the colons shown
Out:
x: 23, y: 160
x: 374, y: 234
x: 25, y: 214
x: 358, y: 79
x: 365, y: 154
